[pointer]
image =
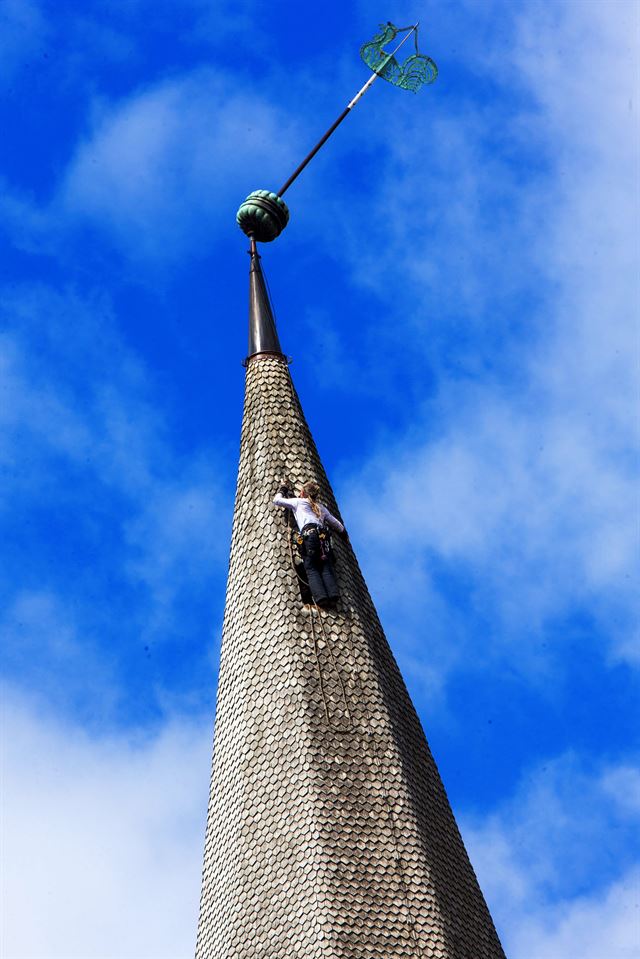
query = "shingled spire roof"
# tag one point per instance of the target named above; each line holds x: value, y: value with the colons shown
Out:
x: 329, y: 833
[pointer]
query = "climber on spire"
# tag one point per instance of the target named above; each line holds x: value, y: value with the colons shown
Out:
x: 313, y: 520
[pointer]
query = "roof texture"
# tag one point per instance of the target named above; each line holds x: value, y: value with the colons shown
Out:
x: 329, y: 832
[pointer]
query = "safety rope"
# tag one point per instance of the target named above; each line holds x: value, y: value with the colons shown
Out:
x: 312, y: 614
x: 289, y: 528
x: 319, y: 668
x: 370, y: 734
x: 329, y: 646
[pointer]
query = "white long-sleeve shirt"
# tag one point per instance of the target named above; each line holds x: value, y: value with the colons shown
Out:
x: 305, y: 515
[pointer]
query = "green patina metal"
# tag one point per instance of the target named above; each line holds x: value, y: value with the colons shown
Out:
x: 263, y: 215
x: 416, y: 71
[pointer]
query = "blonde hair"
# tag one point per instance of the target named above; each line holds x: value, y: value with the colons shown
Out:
x: 311, y: 491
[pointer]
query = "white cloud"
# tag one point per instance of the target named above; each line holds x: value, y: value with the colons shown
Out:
x: 45, y: 637
x: 622, y: 785
x: 103, y: 838
x: 546, y: 827
x: 556, y: 863
x: 519, y: 472
x: 160, y: 172
x: 603, y: 926
x: 121, y: 517
x: 167, y: 167
x: 84, y: 401
x: 104, y: 835
x: 176, y: 538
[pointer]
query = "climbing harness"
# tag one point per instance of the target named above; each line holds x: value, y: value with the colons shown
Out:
x: 312, y: 530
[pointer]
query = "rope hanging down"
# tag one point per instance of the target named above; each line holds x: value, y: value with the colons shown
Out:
x: 369, y: 731
x: 314, y: 610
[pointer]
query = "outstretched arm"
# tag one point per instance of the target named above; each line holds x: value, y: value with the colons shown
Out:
x: 330, y: 520
x: 279, y: 500
x: 284, y: 498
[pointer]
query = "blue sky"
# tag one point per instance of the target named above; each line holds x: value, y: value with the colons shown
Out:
x: 457, y: 289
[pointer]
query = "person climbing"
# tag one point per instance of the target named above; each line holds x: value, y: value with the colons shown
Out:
x: 313, y: 519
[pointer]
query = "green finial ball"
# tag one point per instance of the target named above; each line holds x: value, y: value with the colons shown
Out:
x: 263, y: 215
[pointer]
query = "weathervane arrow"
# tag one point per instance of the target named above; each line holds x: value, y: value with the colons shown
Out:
x: 264, y: 214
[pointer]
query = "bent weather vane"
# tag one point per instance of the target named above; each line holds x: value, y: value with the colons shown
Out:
x: 264, y: 214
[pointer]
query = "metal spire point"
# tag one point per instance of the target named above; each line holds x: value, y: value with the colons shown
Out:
x: 263, y: 336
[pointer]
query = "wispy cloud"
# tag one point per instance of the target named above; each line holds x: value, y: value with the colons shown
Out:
x: 592, y: 927
x: 111, y: 866
x: 53, y: 646
x: 159, y: 172
x: 557, y: 862
x: 125, y: 821
x: 474, y: 251
x: 167, y: 161
x: 121, y: 518
x: 517, y: 474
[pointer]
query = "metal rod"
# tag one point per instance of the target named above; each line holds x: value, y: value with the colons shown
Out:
x: 296, y: 173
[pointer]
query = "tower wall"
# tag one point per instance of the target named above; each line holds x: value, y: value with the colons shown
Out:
x: 329, y: 832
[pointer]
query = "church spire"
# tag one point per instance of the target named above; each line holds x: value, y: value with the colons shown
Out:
x: 329, y: 832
